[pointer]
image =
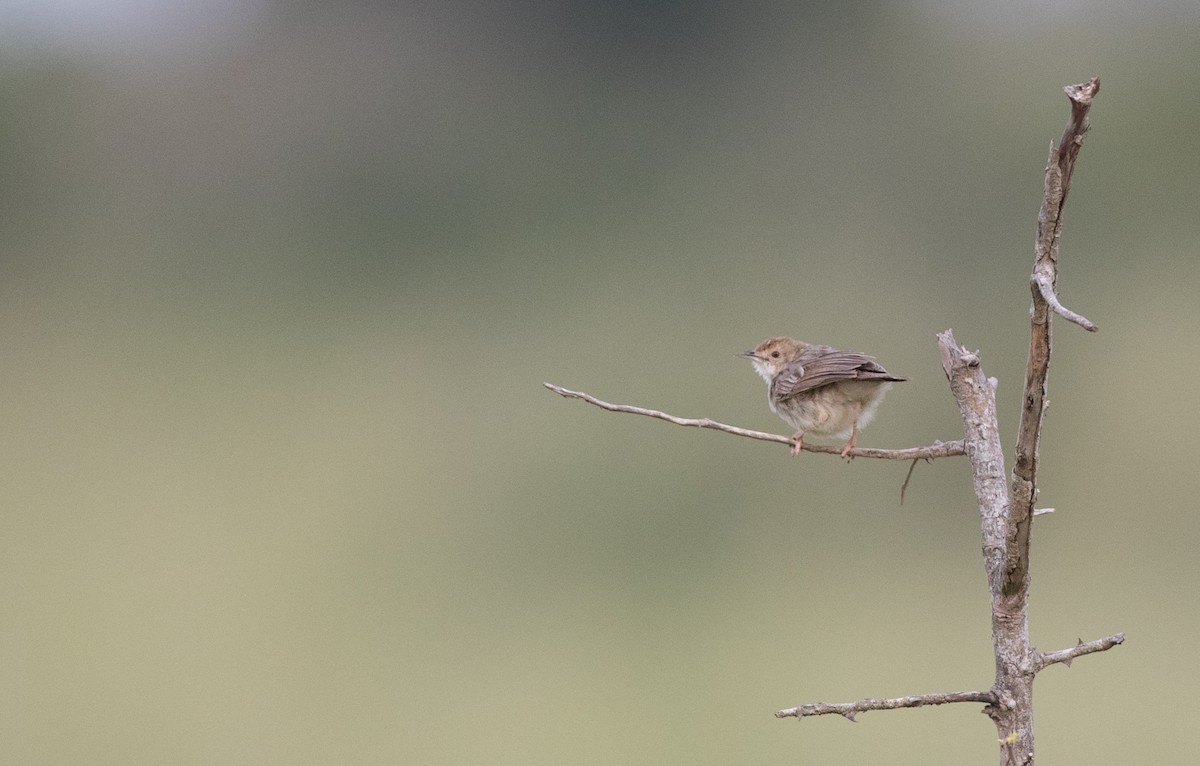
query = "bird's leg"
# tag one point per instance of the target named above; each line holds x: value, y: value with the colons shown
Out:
x: 850, y: 444
x: 797, y: 443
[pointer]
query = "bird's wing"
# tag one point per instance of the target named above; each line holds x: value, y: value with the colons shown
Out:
x: 818, y: 366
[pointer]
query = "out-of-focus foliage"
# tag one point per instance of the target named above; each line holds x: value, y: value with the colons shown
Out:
x: 280, y: 284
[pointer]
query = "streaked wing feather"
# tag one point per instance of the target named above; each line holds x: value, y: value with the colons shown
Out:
x: 818, y: 366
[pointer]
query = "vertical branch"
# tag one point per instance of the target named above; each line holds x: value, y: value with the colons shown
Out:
x: 1059, y: 169
x: 976, y: 399
x: 1007, y: 517
x: 1012, y: 711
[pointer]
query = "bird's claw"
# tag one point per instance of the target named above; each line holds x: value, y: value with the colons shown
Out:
x: 797, y: 444
x: 850, y: 444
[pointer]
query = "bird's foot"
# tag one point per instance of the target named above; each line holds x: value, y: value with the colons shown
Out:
x: 797, y: 443
x: 850, y: 445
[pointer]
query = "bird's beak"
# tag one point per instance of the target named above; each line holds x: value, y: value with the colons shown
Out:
x: 749, y: 354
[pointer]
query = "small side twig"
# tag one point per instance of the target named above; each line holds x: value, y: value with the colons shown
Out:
x: 907, y: 476
x: 936, y: 450
x: 1066, y: 656
x: 851, y: 709
x: 1044, y: 286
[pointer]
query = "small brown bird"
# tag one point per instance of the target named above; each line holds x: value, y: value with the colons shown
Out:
x: 818, y: 389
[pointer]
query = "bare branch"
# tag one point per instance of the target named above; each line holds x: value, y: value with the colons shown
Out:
x: 851, y: 709
x: 1060, y: 168
x: 976, y: 399
x: 1066, y: 656
x: 907, y: 476
x: 935, y: 450
x: 1006, y: 505
x: 1042, y: 282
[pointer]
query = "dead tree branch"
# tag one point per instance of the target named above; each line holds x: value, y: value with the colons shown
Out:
x: 851, y: 709
x: 935, y: 450
x: 1006, y: 509
x: 1046, y: 289
x: 1060, y: 168
x: 1066, y: 656
x: 976, y: 399
x: 1006, y: 513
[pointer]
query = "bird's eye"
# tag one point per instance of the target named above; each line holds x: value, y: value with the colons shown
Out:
x: 775, y: 354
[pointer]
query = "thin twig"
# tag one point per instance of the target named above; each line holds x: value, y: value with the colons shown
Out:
x: 851, y: 709
x: 1047, y: 290
x: 907, y: 476
x: 1066, y: 656
x: 935, y: 450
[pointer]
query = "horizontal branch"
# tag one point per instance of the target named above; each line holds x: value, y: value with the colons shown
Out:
x: 851, y: 709
x: 1066, y: 656
x: 936, y: 450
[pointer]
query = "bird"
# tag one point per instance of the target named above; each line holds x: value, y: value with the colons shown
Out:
x: 820, y: 390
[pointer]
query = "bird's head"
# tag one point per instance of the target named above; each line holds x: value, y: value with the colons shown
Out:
x: 772, y: 355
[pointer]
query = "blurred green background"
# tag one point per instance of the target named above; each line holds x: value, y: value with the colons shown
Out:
x: 281, y: 282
